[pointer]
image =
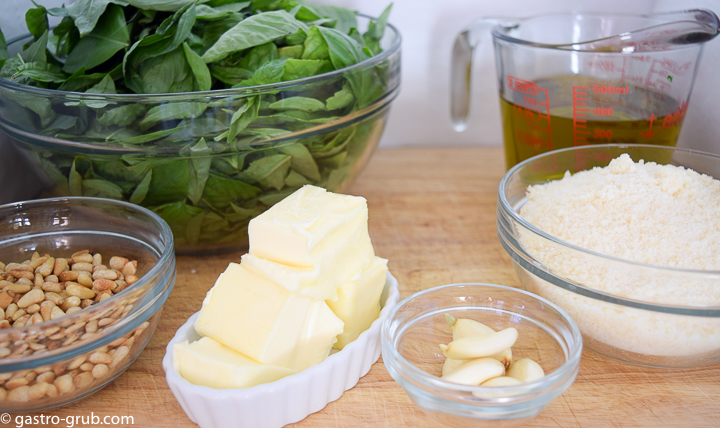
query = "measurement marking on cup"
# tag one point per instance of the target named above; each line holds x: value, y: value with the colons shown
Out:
x: 533, y: 104
x: 580, y: 132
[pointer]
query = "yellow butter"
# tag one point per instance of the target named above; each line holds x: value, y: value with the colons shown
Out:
x: 340, y: 258
x: 358, y: 304
x: 258, y: 318
x: 306, y: 227
x: 207, y: 362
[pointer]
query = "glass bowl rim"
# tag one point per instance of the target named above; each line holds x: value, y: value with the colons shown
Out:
x: 217, y: 93
x: 437, y: 385
x: 165, y: 259
x: 507, y: 208
x: 499, y: 32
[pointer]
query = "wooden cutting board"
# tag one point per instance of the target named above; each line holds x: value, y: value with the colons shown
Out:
x: 432, y: 214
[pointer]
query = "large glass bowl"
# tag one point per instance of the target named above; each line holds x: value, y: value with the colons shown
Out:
x: 63, y: 352
x: 647, y: 328
x: 171, y: 154
x: 546, y: 334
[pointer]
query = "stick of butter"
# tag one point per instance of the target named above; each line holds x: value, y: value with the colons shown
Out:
x: 267, y: 323
x: 207, y: 362
x: 311, y: 242
x: 359, y: 302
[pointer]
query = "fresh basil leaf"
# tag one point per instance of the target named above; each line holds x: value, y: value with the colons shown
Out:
x: 244, y: 115
x: 36, y: 51
x: 355, y: 35
x: 315, y: 46
x: 335, y: 145
x: 194, y: 227
x: 241, y: 213
x: 199, y: 69
x: 344, y: 18
x: 106, y: 86
x: 37, y: 21
x: 85, y: 13
x: 61, y: 123
x: 269, y: 172
x: 99, y: 188
x: 291, y: 52
x: 168, y: 37
x: 140, y: 192
x: 335, y: 161
x: 55, y: 175
x: 376, y: 29
x: 146, y: 138
x: 344, y: 51
x: 301, y: 68
x: 271, y: 72
x: 167, y: 73
x: 298, y: 103
x: 199, y: 171
x: 169, y: 182
x: 171, y: 111
x: 79, y: 80
x: 297, y: 38
x: 178, y: 215
x: 208, y: 13
x: 220, y: 192
x: 39, y: 104
x: 253, y: 31
x: 230, y: 75
x: 295, y: 180
x: 217, y: 3
x: 266, y: 133
x: 123, y: 115
x: 341, y: 99
x: 38, y: 72
x: 302, y: 161
x: 258, y: 56
x: 3, y: 49
x: 75, y: 181
x: 160, y: 5
x: 272, y: 198
x: 102, y: 43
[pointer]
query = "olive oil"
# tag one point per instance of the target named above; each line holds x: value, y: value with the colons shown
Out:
x: 572, y: 111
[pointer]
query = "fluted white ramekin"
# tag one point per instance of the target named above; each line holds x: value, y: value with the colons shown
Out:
x: 289, y: 399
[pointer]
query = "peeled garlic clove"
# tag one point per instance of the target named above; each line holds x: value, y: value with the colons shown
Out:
x: 450, y: 365
x: 501, y: 381
x: 475, y: 372
x: 486, y: 345
x: 464, y: 327
x: 525, y: 370
x: 505, y: 357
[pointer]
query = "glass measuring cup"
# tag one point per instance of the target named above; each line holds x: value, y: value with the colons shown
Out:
x: 577, y: 79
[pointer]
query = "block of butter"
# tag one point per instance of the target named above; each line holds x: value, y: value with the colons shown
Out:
x: 266, y: 322
x: 207, y: 362
x: 311, y: 242
x: 359, y: 301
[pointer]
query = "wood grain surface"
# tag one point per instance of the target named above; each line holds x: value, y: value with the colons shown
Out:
x: 432, y: 214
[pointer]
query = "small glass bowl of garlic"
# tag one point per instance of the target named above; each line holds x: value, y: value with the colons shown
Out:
x: 481, y: 354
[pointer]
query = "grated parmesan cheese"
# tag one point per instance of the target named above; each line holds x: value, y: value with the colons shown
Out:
x: 656, y: 214
x: 660, y: 215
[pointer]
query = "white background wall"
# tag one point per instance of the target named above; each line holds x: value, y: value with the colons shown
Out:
x: 420, y: 115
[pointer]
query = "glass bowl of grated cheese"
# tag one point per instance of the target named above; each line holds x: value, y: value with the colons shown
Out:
x: 626, y: 239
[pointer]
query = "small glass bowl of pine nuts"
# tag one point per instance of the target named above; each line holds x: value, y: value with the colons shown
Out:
x: 420, y: 332
x: 82, y: 285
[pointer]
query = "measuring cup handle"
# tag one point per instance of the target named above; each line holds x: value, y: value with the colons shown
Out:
x: 461, y: 67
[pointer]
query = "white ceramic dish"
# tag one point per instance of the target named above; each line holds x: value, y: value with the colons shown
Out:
x: 289, y: 399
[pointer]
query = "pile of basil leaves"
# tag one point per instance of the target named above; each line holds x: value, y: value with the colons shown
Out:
x: 202, y: 163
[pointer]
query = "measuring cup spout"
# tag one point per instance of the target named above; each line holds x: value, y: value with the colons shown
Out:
x: 461, y: 66
x: 672, y: 30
